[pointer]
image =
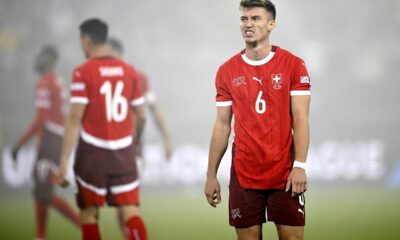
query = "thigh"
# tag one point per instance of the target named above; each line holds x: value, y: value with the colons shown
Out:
x: 250, y: 233
x: 123, y: 189
x: 283, y: 209
x: 290, y: 232
x: 90, y: 176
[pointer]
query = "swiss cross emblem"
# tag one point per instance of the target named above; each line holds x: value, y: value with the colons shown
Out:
x: 276, y: 81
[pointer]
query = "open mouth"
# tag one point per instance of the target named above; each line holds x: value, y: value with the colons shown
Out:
x: 248, y: 32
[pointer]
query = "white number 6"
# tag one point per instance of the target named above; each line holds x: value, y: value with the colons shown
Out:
x: 261, y: 105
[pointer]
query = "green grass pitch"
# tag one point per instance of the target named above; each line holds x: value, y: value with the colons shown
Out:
x: 332, y: 214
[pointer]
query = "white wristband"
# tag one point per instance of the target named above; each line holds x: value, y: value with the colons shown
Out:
x: 299, y: 164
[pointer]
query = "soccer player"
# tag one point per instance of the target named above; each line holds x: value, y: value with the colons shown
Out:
x: 102, y: 91
x: 48, y: 127
x: 267, y: 91
x: 116, y: 49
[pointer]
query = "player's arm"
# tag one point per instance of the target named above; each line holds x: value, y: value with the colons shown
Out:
x: 72, y: 128
x: 297, y: 180
x: 162, y: 126
x: 140, y: 120
x: 34, y: 127
x: 218, y: 146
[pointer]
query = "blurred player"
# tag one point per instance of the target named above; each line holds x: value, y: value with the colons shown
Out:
x: 266, y: 89
x: 103, y: 89
x: 48, y: 127
x: 116, y: 50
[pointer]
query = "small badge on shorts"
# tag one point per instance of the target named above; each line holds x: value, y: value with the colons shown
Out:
x: 235, y: 213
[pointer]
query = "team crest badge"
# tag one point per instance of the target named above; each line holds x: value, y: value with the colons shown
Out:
x: 239, y: 81
x: 276, y: 81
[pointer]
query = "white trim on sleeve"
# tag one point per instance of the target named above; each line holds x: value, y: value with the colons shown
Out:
x: 99, y: 191
x: 107, y: 144
x: 150, y: 97
x: 124, y: 188
x: 223, y: 103
x: 78, y: 86
x: 54, y: 128
x: 138, y: 101
x: 300, y: 92
x: 80, y: 100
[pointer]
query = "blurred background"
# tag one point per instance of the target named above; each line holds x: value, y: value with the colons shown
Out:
x: 352, y: 52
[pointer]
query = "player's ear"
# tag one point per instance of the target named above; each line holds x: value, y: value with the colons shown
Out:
x: 271, y: 25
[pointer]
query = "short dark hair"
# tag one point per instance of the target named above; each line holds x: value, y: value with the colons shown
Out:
x: 96, y: 29
x: 266, y: 4
x: 49, y: 52
x: 115, y: 44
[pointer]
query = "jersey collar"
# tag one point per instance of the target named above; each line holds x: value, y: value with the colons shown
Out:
x: 259, y: 62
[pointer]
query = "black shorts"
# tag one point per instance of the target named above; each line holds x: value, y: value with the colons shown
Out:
x: 45, y: 168
x: 105, y: 175
x: 249, y: 207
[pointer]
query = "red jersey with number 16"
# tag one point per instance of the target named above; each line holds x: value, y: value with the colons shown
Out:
x: 108, y: 86
x: 259, y: 93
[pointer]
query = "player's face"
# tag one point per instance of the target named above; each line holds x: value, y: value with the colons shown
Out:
x: 256, y: 24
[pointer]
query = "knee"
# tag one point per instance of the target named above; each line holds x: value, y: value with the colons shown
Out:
x: 128, y: 211
x: 290, y: 233
x: 251, y: 233
x: 89, y: 215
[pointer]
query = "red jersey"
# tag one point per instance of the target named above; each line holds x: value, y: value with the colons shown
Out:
x: 259, y: 93
x: 108, y: 86
x: 49, y: 100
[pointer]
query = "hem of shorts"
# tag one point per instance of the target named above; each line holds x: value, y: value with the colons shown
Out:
x: 247, y: 225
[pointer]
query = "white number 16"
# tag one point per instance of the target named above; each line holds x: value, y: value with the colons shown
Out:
x: 117, y: 105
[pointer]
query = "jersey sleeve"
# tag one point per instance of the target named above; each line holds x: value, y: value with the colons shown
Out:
x: 79, y: 88
x: 137, y: 90
x: 223, y: 97
x: 300, y: 81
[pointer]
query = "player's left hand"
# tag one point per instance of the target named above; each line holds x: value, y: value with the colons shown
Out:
x: 297, y: 181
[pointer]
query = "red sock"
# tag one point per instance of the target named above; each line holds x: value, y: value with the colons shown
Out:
x: 137, y: 229
x: 65, y: 209
x: 90, y: 231
x: 41, y: 212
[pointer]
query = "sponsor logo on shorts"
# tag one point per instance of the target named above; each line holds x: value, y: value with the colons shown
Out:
x: 301, y: 211
x: 235, y: 213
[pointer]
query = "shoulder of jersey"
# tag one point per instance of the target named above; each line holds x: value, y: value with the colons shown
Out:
x: 286, y: 54
x: 231, y: 60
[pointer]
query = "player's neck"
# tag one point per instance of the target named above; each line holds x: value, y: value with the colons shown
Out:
x: 99, y: 51
x: 257, y: 51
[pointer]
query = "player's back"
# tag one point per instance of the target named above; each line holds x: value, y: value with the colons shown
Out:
x: 49, y: 96
x: 109, y: 87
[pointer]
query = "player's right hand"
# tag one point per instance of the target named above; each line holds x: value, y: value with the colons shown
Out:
x: 212, y: 191
x: 14, y: 153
